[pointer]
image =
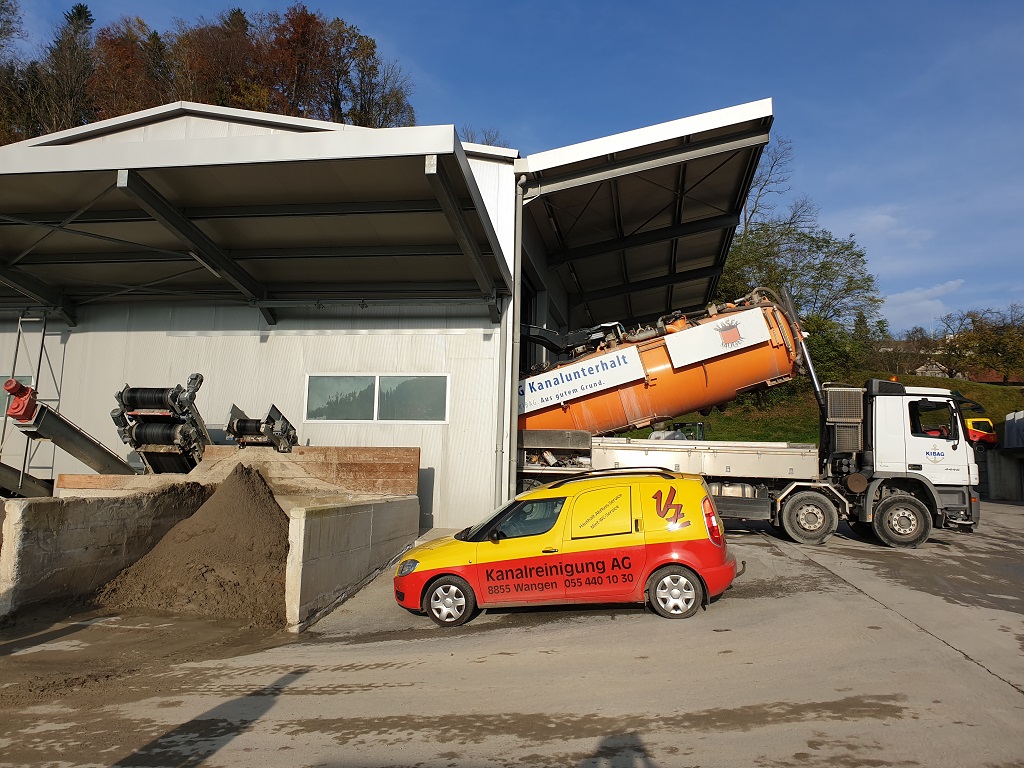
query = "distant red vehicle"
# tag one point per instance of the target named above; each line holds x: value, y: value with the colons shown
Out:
x: 981, y: 434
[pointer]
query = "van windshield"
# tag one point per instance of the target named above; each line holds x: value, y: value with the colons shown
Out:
x: 469, y: 533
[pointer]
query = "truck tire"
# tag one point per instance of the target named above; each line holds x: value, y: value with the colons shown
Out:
x: 902, y: 521
x: 809, y: 517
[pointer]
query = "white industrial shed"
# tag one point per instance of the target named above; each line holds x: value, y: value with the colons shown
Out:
x: 364, y: 281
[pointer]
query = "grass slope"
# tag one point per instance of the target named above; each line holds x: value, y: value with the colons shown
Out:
x: 789, y: 413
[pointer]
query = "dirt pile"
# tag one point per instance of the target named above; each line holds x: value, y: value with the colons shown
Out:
x: 226, y: 560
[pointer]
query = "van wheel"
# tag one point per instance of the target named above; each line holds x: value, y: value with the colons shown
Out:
x: 902, y: 521
x: 450, y: 601
x: 809, y: 517
x: 675, y: 592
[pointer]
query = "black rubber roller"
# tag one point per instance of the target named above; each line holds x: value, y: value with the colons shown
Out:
x: 242, y: 427
x: 149, y: 397
x: 156, y: 434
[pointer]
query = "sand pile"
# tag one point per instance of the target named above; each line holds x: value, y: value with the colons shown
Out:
x: 226, y: 560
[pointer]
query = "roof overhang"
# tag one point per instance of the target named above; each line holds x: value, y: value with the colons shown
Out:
x: 269, y: 212
x: 638, y: 224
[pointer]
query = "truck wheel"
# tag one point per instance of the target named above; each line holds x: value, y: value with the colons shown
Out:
x: 675, y: 592
x: 450, y: 601
x: 809, y: 517
x: 902, y: 521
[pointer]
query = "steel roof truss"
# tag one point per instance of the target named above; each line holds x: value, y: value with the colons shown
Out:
x: 297, y: 210
x: 204, y: 250
x: 697, y: 227
x: 442, y: 187
x: 40, y: 292
x: 645, y: 285
x: 65, y: 220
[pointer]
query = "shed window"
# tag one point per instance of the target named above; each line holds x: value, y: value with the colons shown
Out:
x: 412, y: 398
x: 377, y: 398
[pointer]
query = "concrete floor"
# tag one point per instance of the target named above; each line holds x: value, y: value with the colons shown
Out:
x: 848, y: 654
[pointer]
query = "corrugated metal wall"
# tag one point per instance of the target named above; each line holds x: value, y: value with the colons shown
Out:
x: 246, y: 363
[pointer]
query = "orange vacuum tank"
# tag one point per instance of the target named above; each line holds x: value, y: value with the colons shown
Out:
x: 690, y: 367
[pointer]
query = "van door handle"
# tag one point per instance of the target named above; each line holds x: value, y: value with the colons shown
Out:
x: 549, y: 551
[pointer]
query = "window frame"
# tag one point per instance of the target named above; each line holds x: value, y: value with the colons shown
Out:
x: 376, y: 397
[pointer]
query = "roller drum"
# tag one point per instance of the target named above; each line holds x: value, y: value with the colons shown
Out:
x: 156, y: 434
x: 246, y: 427
x: 149, y: 397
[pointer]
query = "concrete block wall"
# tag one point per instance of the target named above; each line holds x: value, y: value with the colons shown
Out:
x: 55, y: 548
x: 333, y: 549
x: 1005, y: 476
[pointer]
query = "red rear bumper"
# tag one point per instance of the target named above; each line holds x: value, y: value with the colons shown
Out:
x: 719, y: 578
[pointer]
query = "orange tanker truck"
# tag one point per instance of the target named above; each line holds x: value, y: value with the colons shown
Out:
x: 619, y: 380
x: 894, y: 461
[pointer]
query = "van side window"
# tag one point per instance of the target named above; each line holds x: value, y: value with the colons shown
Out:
x: 932, y: 418
x: 531, y: 518
x: 603, y: 512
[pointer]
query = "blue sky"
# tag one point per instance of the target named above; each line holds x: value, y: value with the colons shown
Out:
x: 905, y: 117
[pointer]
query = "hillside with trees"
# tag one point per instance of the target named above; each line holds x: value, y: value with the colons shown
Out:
x: 300, y: 63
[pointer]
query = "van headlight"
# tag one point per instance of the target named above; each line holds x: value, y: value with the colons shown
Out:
x: 407, y: 567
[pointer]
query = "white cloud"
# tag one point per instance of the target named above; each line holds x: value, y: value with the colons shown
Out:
x: 888, y: 222
x: 919, y: 306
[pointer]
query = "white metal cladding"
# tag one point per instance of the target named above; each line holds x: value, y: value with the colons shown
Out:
x: 245, y: 363
x: 496, y: 182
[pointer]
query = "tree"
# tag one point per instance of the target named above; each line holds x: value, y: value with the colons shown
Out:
x: 66, y: 71
x: 489, y: 136
x: 827, y: 276
x: 381, y: 93
x: 10, y: 26
x: 132, y: 71
x: 985, y: 341
x: 221, y: 62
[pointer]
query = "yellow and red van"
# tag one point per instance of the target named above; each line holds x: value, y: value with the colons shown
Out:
x: 981, y: 433
x: 611, y: 536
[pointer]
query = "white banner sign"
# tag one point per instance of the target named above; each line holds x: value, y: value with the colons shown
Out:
x: 580, y: 379
x: 717, y: 337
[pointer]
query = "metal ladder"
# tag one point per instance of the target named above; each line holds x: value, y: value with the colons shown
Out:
x: 32, y: 448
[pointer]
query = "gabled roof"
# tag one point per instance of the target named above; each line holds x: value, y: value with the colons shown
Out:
x: 185, y: 120
x: 191, y: 202
x: 638, y: 224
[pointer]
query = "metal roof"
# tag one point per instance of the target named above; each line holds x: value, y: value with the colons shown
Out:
x: 639, y: 224
x: 192, y: 202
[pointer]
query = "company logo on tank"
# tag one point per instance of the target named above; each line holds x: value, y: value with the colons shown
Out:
x: 725, y: 334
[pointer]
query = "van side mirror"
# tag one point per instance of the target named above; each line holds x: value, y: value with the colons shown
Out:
x: 494, y: 536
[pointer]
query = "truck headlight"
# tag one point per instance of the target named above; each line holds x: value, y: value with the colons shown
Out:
x: 407, y: 567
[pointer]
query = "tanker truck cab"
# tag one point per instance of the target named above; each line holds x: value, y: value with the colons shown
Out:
x: 920, y: 466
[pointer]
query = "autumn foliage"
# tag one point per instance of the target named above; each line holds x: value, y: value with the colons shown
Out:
x: 299, y: 63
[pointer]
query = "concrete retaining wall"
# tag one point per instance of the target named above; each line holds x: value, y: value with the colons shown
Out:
x: 57, y: 548
x: 1005, y: 474
x: 333, y: 549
